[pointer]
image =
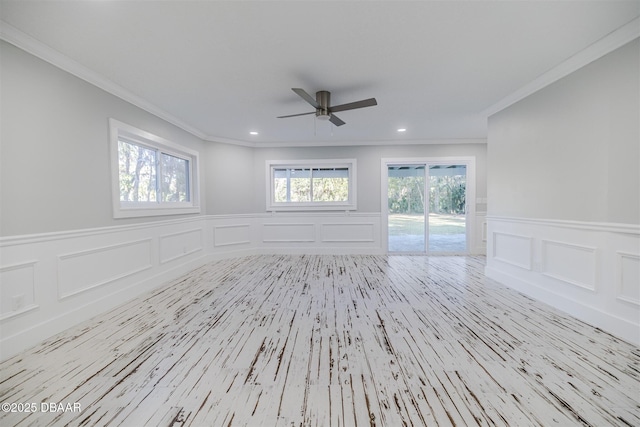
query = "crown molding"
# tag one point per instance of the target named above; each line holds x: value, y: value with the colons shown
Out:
x: 350, y: 143
x: 40, y: 50
x: 597, y: 50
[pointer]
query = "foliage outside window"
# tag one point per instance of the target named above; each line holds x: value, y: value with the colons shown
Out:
x: 151, y: 176
x: 311, y: 185
x: 447, y: 190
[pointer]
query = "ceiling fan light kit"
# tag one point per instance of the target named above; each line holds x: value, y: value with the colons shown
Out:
x: 324, y: 110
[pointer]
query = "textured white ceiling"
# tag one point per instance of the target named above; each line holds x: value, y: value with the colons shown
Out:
x: 226, y: 68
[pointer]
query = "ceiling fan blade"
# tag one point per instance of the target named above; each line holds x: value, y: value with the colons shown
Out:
x: 353, y: 105
x: 304, y: 95
x: 295, y: 115
x: 336, y: 121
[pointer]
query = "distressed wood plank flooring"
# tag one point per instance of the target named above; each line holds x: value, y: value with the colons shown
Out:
x: 330, y: 341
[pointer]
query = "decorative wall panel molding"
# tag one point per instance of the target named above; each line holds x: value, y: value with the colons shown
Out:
x: 288, y: 233
x: 513, y: 249
x: 230, y: 235
x: 180, y: 244
x: 17, y: 289
x: 348, y: 232
x: 628, y: 277
x: 570, y: 263
x: 87, y: 269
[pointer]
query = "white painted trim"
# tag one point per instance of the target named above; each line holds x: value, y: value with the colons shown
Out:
x: 199, y: 248
x: 528, y: 266
x: 620, y: 255
x: 323, y: 225
x: 63, y: 296
x: 610, y: 227
x: 290, y: 224
x: 545, y: 243
x: 348, y: 143
x: 24, y: 310
x: 71, y: 234
x: 86, y: 232
x: 19, y: 266
x: 239, y: 242
x: 607, y: 44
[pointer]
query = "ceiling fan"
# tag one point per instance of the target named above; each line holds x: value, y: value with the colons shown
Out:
x: 324, y: 110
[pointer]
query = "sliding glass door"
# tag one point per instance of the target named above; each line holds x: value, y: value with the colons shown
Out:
x: 447, y: 208
x: 426, y: 207
x: 406, y: 220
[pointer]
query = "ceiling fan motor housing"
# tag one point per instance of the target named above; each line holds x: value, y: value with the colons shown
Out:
x: 323, y: 98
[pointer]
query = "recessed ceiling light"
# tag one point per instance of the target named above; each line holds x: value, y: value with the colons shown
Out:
x: 402, y: 130
x: 253, y: 132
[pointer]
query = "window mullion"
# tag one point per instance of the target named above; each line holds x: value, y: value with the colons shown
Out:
x: 288, y: 185
x: 311, y: 185
x: 158, y: 176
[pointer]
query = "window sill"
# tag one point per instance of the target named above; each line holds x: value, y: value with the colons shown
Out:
x: 160, y: 211
x: 310, y: 207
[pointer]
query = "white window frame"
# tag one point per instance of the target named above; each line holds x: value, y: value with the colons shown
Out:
x: 348, y: 205
x: 119, y: 130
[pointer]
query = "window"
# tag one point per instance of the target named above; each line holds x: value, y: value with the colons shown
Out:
x: 311, y: 185
x: 151, y: 176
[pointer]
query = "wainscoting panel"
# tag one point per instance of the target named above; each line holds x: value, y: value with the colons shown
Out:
x: 348, y: 232
x: 288, y: 233
x: 572, y: 264
x: 84, y: 270
x: 52, y: 281
x: 590, y: 270
x: 512, y: 249
x: 319, y: 233
x: 17, y: 289
x: 180, y: 244
x: 628, y: 275
x: 230, y: 235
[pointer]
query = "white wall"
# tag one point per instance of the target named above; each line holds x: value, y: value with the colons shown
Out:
x: 564, y: 194
x: 571, y: 150
x: 54, y: 147
x: 230, y: 175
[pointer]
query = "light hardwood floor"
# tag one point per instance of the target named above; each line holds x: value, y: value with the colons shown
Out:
x: 330, y: 341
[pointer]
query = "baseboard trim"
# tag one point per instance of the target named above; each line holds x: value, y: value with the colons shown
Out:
x: 607, y: 322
